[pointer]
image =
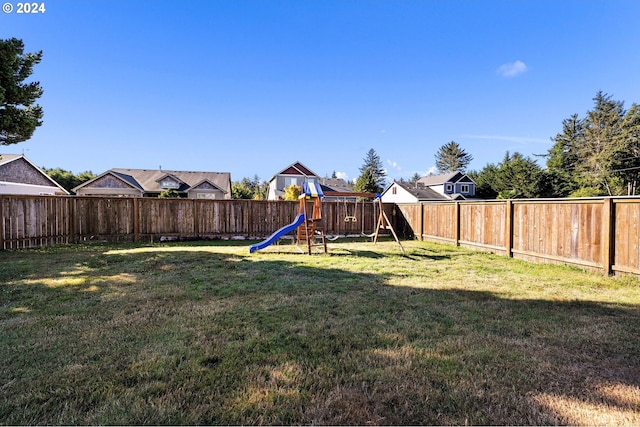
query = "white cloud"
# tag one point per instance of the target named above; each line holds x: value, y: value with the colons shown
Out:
x: 342, y: 175
x: 512, y: 69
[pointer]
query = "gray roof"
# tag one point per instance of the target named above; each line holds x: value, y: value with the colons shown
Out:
x: 421, y: 192
x: 441, y: 179
x: 148, y: 180
x: 335, y: 184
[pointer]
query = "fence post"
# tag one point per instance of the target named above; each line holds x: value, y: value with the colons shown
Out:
x: 608, y: 235
x: 136, y: 220
x: 72, y: 219
x: 1, y: 224
x: 196, y: 228
x: 456, y: 219
x: 508, y: 229
x: 421, y: 221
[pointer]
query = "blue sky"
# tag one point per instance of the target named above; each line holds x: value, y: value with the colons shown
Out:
x: 249, y: 87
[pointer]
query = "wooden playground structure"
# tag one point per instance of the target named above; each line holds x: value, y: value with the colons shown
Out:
x: 311, y: 232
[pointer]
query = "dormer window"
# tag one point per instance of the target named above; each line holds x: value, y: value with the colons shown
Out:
x: 169, y: 184
x: 464, y: 188
x: 448, y: 188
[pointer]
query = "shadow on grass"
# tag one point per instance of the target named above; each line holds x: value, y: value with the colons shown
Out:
x: 199, y: 335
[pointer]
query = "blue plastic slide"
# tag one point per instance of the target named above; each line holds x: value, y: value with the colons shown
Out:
x: 278, y: 234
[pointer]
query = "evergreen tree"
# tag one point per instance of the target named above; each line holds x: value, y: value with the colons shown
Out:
x: 451, y: 158
x: 366, y: 183
x: 372, y: 174
x: 598, y: 151
x: 515, y: 177
x: 249, y: 189
x: 562, y: 160
x: 67, y: 179
x: 19, y: 115
x: 597, y: 155
x: 627, y: 163
x: 485, y: 180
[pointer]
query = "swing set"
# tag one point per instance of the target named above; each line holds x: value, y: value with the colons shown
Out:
x: 383, y: 221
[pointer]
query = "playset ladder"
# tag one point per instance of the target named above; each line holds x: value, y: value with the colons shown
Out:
x: 312, y: 226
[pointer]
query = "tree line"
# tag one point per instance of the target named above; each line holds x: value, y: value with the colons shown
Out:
x: 594, y: 155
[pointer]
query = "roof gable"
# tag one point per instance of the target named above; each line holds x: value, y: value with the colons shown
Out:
x: 297, y: 168
x: 207, y: 185
x: 18, y: 169
x: 150, y: 181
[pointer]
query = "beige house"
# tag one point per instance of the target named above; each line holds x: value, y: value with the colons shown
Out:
x: 19, y: 176
x: 150, y: 183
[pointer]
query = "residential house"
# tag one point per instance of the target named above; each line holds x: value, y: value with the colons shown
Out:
x: 150, y: 183
x: 297, y: 174
x: 294, y: 174
x: 449, y: 186
x: 410, y: 192
x: 455, y: 185
x: 19, y: 176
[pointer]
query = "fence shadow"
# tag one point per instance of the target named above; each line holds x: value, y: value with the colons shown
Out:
x: 222, y: 337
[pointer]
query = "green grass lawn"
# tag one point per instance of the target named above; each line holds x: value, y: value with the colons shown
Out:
x: 205, y: 333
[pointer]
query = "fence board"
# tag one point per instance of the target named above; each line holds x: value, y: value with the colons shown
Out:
x: 560, y: 230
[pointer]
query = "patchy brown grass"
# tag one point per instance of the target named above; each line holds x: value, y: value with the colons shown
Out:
x: 207, y: 334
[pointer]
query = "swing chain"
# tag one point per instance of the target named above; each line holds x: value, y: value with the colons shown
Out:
x: 348, y: 217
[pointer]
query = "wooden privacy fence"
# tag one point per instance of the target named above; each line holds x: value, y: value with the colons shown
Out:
x: 599, y: 233
x: 33, y: 221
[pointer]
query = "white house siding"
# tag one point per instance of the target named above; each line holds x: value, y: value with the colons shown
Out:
x: 15, y: 188
x: 401, y: 196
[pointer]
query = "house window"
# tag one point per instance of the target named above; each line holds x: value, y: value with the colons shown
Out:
x: 289, y: 181
x: 169, y: 184
x: 394, y: 190
x: 448, y: 188
x: 464, y: 188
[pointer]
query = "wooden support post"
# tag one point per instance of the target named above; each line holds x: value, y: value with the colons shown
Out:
x: 608, y: 235
x: 421, y: 221
x: 196, y: 228
x: 72, y: 220
x: 456, y: 224
x: 383, y: 222
x: 136, y: 220
x: 508, y: 229
x: 1, y: 225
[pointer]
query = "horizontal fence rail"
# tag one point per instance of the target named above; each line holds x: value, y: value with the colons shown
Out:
x: 34, y: 221
x: 601, y: 233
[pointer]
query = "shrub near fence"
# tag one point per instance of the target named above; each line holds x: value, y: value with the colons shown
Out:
x: 33, y: 221
x: 600, y: 233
